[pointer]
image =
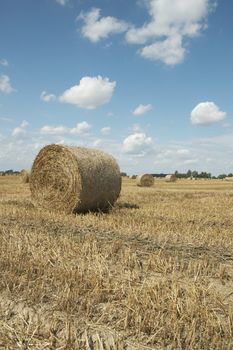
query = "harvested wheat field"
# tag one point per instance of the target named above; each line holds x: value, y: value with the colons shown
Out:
x: 154, y: 273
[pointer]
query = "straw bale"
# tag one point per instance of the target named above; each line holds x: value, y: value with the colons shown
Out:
x: 25, y: 175
x: 170, y: 178
x: 145, y: 180
x: 133, y: 177
x: 228, y: 178
x: 74, y: 179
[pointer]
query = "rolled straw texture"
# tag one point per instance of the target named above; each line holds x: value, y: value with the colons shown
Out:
x: 74, y: 179
x: 170, y: 178
x: 145, y: 180
x: 228, y: 178
x: 25, y: 174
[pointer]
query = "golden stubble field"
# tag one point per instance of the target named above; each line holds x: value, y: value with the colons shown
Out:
x: 154, y: 273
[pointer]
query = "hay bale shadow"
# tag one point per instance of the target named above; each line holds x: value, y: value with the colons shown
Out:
x: 126, y: 205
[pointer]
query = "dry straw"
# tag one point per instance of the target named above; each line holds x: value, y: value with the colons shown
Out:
x: 228, y: 178
x: 170, y: 178
x: 25, y: 175
x: 145, y: 180
x: 74, y: 179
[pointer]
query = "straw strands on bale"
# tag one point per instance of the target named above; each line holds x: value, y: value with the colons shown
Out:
x: 170, y: 178
x: 25, y: 174
x: 145, y: 180
x: 74, y: 179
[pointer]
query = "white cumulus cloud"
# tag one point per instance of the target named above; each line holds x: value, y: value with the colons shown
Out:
x: 90, y: 93
x: 20, y: 130
x: 47, y: 97
x: 171, y: 16
x: 106, y: 130
x: 142, y: 109
x: 54, y: 130
x: 164, y: 34
x: 206, y: 113
x: 80, y: 129
x: 5, y: 85
x: 96, y: 27
x: 169, y: 51
x: 183, y: 152
x: 171, y: 21
x: 137, y: 143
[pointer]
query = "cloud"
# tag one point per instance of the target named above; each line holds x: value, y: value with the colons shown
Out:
x: 171, y: 17
x: 54, y: 130
x: 90, y: 93
x: 96, y: 27
x: 47, y: 97
x: 183, y: 152
x: 62, y: 2
x: 5, y: 85
x: 20, y: 130
x: 4, y: 62
x: 142, y: 109
x: 206, y: 113
x: 169, y: 51
x: 170, y: 23
x: 79, y: 129
x: 106, y: 130
x: 137, y: 144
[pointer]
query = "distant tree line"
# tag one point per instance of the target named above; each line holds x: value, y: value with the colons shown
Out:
x: 200, y: 175
x: 189, y: 174
x: 9, y: 172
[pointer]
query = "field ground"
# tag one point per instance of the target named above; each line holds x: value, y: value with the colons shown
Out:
x: 154, y: 273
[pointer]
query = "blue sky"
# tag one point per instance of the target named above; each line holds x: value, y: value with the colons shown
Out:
x: 149, y: 81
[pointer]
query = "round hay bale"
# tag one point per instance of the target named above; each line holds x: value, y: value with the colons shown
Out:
x: 170, y: 178
x: 25, y: 175
x: 228, y: 178
x: 145, y: 180
x: 74, y: 179
x: 133, y: 177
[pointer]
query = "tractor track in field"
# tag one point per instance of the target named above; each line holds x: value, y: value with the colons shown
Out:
x: 136, y: 242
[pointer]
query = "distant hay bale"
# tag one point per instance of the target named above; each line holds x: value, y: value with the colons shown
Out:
x: 228, y: 178
x: 145, y: 180
x: 25, y: 175
x: 133, y: 177
x: 74, y: 179
x: 170, y: 178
